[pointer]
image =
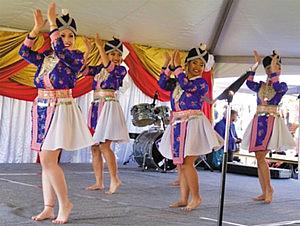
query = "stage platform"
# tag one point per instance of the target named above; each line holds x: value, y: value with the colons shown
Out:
x: 276, y: 173
x: 144, y: 198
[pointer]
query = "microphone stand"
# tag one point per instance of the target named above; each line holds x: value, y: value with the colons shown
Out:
x: 298, y: 146
x: 227, y: 95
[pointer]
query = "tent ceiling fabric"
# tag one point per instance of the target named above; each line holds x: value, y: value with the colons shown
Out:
x: 257, y: 24
x: 158, y: 23
x: 263, y: 25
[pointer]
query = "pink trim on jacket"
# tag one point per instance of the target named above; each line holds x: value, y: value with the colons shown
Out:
x: 264, y: 145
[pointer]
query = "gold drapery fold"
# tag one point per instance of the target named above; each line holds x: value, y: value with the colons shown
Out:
x: 153, y: 58
x: 10, y: 43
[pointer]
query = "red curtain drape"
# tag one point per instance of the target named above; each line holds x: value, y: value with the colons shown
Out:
x: 207, y: 108
x: 15, y: 90
x: 142, y: 78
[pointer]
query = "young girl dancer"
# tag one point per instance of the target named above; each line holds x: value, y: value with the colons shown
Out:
x: 106, y: 118
x: 267, y: 129
x: 57, y: 122
x: 190, y: 133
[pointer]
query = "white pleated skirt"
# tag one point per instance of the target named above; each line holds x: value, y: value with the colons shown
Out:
x: 68, y: 130
x: 281, y: 138
x: 111, y: 124
x: 201, y: 139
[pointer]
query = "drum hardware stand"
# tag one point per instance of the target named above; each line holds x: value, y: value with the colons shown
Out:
x: 144, y: 161
x: 165, y: 160
x: 130, y: 157
x: 203, y: 159
x: 165, y: 166
x: 228, y: 96
x: 155, y: 97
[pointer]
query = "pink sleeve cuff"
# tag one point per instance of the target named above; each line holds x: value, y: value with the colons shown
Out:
x: 178, y: 71
x: 110, y: 67
x: 54, y: 36
x: 275, y: 79
x: 167, y: 72
x: 250, y: 78
x: 85, y: 71
x: 29, y: 42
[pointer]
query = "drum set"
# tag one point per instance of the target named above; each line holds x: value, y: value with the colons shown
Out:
x: 145, y: 146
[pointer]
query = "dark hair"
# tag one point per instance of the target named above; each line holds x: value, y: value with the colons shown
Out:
x: 233, y: 112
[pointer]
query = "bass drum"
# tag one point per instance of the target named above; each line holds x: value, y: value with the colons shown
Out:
x: 146, y: 146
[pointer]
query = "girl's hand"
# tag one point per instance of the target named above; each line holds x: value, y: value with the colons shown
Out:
x: 88, y: 44
x: 39, y: 21
x: 167, y: 59
x: 177, y: 59
x: 98, y: 41
x: 52, y: 14
x: 100, y: 61
x: 257, y: 60
x: 208, y: 100
x: 172, y: 59
x: 275, y: 68
x: 100, y: 45
x: 257, y: 57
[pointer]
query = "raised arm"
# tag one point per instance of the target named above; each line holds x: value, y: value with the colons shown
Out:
x: 103, y: 55
x: 254, y: 86
x: 26, y: 49
x: 280, y: 87
x: 165, y: 82
x: 73, y: 59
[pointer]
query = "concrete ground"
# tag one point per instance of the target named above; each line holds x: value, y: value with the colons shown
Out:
x: 144, y: 198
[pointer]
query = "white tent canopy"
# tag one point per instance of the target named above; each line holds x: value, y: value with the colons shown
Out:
x: 230, y: 28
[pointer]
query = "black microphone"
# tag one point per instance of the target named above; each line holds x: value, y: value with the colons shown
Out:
x: 155, y: 98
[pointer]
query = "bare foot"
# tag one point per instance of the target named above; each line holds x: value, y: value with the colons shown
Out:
x: 269, y: 196
x: 193, y: 204
x: 95, y: 187
x: 114, y: 187
x: 261, y: 197
x: 63, y: 214
x: 178, y: 204
x: 47, y: 213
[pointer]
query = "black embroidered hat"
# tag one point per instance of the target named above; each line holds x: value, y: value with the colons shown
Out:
x: 198, y: 53
x: 113, y: 45
x: 66, y: 22
x: 268, y: 59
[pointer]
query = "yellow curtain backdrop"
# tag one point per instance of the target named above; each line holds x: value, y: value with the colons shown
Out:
x: 153, y: 58
x: 94, y: 56
x: 10, y: 43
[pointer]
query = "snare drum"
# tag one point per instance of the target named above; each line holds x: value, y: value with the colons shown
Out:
x: 143, y: 115
x: 164, y: 113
